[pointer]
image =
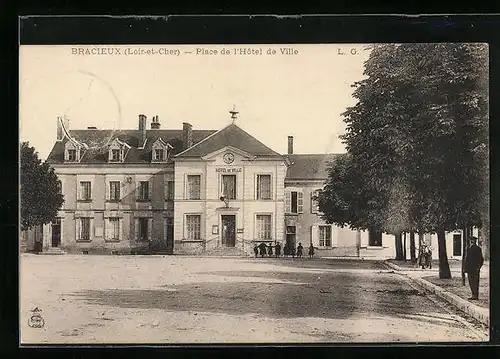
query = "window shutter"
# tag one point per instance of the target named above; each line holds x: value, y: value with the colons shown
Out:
x: 137, y: 190
x: 334, y: 236
x: 150, y: 189
x: 288, y: 201
x: 136, y: 229
x: 315, y: 235
x: 150, y: 228
x: 271, y: 187
x: 108, y: 190
x: 300, y: 202
x: 78, y: 228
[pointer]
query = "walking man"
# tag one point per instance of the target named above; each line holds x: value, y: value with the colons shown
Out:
x: 278, y: 249
x: 473, y: 262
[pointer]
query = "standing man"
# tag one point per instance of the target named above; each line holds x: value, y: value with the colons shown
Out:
x: 277, y: 249
x: 473, y: 262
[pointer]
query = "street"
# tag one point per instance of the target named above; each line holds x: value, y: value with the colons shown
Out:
x: 174, y: 299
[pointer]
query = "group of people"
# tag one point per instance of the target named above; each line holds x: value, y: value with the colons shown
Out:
x: 275, y: 251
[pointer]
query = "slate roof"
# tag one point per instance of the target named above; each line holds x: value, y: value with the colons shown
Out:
x: 131, y: 137
x: 309, y: 166
x: 231, y: 135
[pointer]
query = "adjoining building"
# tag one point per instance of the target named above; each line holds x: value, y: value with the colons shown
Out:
x: 192, y: 191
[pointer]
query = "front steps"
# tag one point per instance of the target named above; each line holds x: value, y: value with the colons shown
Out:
x: 224, y: 252
x: 53, y: 251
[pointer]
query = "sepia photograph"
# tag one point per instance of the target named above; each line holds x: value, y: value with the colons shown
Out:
x: 254, y: 194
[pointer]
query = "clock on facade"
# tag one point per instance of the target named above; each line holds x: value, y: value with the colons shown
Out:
x: 228, y: 158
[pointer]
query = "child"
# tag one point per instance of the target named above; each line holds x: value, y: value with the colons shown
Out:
x: 299, y: 250
x: 311, y: 250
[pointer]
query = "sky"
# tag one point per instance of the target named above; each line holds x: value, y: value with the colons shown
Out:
x: 301, y: 94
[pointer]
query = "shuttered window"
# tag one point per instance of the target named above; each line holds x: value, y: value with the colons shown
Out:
x: 229, y: 186
x: 113, y: 229
x: 264, y: 187
x: 193, y: 227
x: 263, y: 227
x: 84, y: 229
x: 114, y: 190
x: 170, y: 190
x: 325, y: 236
x: 85, y: 191
x: 143, y: 190
x: 294, y: 201
x: 314, y: 201
x: 193, y: 186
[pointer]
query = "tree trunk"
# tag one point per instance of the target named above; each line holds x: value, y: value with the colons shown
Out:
x: 444, y: 266
x: 484, y: 238
x: 399, y: 247
x: 465, y: 241
x: 413, y: 255
x: 404, y: 245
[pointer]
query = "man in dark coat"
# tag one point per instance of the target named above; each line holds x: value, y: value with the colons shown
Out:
x: 278, y: 249
x: 473, y: 262
x: 262, y: 249
x: 256, y: 250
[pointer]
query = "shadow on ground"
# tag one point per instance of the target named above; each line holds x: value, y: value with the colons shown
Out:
x: 292, y: 295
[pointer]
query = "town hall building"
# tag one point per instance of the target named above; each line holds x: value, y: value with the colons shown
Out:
x: 190, y: 191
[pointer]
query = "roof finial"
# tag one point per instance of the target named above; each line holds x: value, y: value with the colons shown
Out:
x: 234, y: 113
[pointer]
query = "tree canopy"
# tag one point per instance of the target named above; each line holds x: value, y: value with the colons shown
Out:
x: 41, y: 196
x: 417, y: 142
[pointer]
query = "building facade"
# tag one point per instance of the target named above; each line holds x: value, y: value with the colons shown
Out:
x: 194, y: 191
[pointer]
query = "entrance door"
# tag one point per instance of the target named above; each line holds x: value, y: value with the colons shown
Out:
x: 457, y: 244
x: 228, y: 230
x: 170, y: 234
x: 290, y: 238
x: 56, y: 233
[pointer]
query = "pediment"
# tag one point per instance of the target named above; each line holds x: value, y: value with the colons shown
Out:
x: 235, y: 152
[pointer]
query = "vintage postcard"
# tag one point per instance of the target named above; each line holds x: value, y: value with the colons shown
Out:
x: 274, y: 194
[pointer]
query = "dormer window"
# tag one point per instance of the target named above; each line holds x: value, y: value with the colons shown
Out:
x: 115, y: 155
x: 117, y: 151
x: 72, y: 152
x: 160, y: 151
x: 71, y: 155
x: 159, y: 154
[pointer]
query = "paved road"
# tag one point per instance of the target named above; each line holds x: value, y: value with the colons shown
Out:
x: 96, y: 299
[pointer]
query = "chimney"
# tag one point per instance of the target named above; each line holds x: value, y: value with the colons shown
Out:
x: 155, y: 123
x: 187, y: 135
x: 290, y: 145
x: 142, y: 129
x: 61, y: 121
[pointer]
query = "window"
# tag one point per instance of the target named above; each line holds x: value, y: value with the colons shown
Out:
x: 375, y: 239
x: 59, y: 186
x: 143, y: 230
x: 143, y: 190
x: 113, y: 229
x: 193, y: 227
x: 71, y: 155
x: 325, y: 236
x: 115, y: 155
x: 263, y: 186
x: 263, y: 226
x: 84, y: 230
x: 229, y: 186
x: 314, y: 201
x: 86, y: 191
x: 193, y: 186
x: 294, y: 201
x: 170, y: 190
x: 114, y: 190
x: 159, y: 154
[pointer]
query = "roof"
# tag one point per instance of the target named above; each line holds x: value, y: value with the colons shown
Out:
x: 99, y: 138
x: 233, y: 136
x: 309, y: 166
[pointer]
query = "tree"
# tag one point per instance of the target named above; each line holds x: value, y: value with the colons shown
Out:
x: 418, y: 137
x: 41, y: 196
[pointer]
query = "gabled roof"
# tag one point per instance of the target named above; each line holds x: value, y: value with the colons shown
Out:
x: 309, y: 166
x: 233, y: 136
x: 136, y: 154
